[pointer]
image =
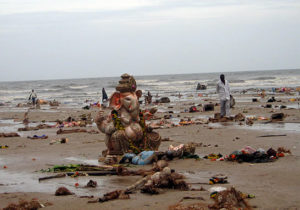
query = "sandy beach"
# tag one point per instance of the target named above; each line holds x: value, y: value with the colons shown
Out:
x: 274, y: 184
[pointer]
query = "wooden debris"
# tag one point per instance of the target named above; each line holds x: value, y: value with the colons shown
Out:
x: 9, y: 135
x: 61, y: 131
x: 272, y: 135
x: 52, y: 177
x: 193, y: 198
x: 92, y: 173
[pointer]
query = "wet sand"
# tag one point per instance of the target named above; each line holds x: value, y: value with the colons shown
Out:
x: 275, y: 184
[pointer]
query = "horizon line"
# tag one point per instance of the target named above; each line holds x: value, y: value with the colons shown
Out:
x: 147, y: 75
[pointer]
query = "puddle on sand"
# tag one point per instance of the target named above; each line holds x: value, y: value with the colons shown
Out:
x: 28, y: 182
x: 293, y: 106
x: 198, y: 177
x: 84, y: 161
x: 24, y: 181
x: 276, y: 127
x: 292, y: 127
x: 9, y: 125
x: 13, y: 109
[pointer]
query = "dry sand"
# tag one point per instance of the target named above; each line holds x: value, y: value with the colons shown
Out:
x: 275, y: 185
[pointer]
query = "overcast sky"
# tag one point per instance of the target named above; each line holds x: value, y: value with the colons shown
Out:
x: 53, y: 39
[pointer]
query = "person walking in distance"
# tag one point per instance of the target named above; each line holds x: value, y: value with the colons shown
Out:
x: 33, y: 97
x: 223, y: 90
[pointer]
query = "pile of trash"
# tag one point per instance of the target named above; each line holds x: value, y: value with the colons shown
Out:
x: 251, y: 155
x: 217, y: 118
x: 71, y: 122
x: 229, y: 199
x: 223, y: 199
x: 162, y: 177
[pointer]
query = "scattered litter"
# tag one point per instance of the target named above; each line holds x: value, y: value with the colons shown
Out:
x: 250, y: 155
x: 9, y: 135
x: 40, y: 126
x: 38, y: 137
x: 272, y: 99
x: 193, y: 109
x: 60, y: 141
x: 32, y: 205
x: 80, y: 167
x: 163, y: 100
x: 61, y: 131
x: 208, y: 107
x: 229, y: 199
x: 218, y: 180
x: 144, y: 158
x: 268, y: 106
x: 213, y: 156
x: 277, y: 116
x: 63, y: 191
x: 216, y: 189
x: 283, y: 150
x: 92, y: 184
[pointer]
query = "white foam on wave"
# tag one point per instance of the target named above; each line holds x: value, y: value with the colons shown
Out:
x: 78, y: 87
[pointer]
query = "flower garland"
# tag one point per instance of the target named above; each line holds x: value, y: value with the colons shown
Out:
x: 119, y: 126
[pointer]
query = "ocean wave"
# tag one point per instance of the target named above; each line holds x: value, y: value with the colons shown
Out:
x: 78, y: 86
x: 58, y: 86
x: 14, y: 91
x: 211, y: 84
x: 237, y: 81
x: 145, y: 81
x: 263, y: 78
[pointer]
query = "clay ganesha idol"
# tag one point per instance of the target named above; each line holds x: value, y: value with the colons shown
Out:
x: 125, y: 126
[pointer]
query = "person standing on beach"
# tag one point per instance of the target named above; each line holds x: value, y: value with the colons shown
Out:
x: 224, y: 94
x: 32, y: 97
x: 104, y: 95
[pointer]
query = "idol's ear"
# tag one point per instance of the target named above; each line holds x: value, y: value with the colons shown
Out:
x: 138, y: 93
x: 115, y: 101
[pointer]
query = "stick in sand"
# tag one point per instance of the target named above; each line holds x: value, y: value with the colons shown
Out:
x: 52, y: 177
x: 273, y: 135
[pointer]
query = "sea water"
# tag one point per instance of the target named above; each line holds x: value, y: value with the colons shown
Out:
x: 74, y: 92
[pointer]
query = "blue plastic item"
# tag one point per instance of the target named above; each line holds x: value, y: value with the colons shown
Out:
x: 143, y: 158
